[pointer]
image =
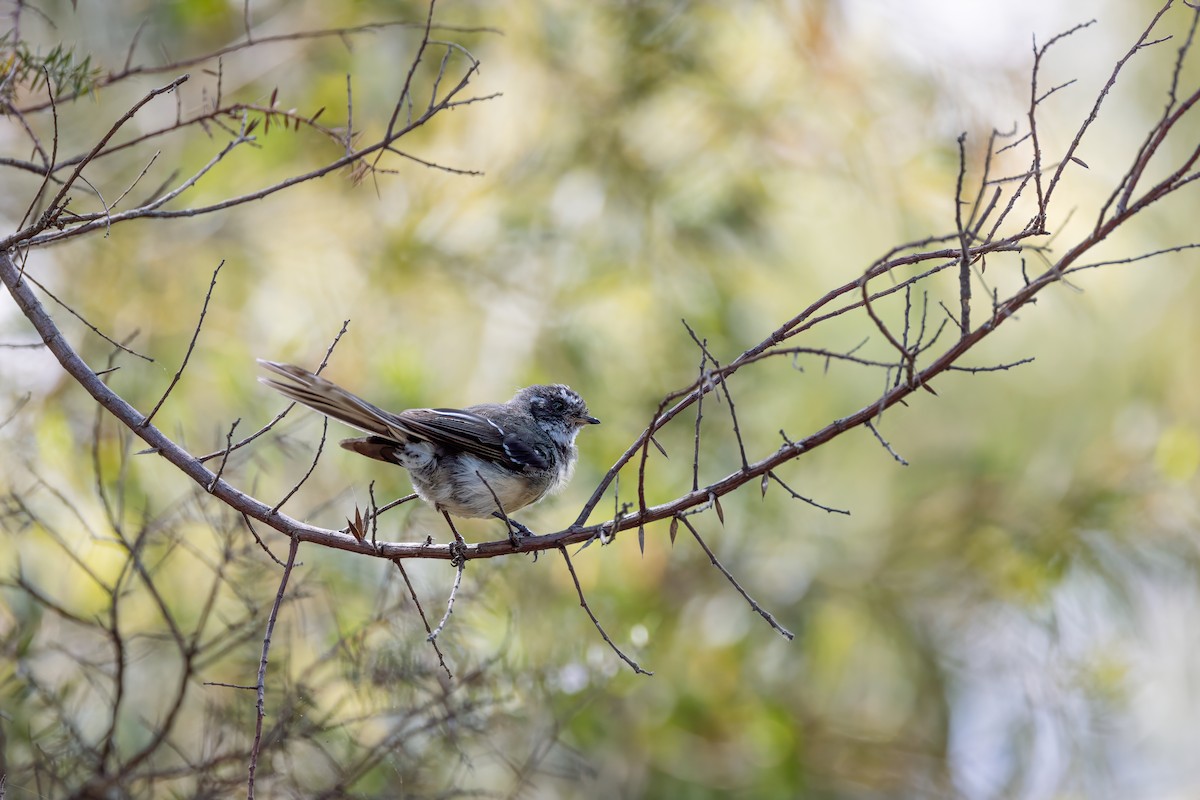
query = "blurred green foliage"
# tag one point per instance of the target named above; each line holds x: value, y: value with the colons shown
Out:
x: 1008, y: 616
x: 66, y: 73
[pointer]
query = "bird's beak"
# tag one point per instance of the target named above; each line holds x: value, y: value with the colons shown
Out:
x: 590, y: 420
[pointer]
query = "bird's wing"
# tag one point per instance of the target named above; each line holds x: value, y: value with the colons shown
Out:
x: 450, y: 428
x: 470, y: 432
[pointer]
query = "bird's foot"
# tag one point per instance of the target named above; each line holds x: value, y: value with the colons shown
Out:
x: 458, y: 553
x: 515, y: 530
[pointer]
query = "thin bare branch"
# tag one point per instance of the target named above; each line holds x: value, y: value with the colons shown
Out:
x: 430, y: 637
x: 89, y: 325
x: 871, y: 427
x: 458, y: 573
x: 50, y: 215
x: 583, y: 602
x: 279, y: 417
x: 260, y: 686
x: 304, y: 478
x: 797, y: 496
x: 191, y: 345
x: 762, y: 612
x: 225, y: 457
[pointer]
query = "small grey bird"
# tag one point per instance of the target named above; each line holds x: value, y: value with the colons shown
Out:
x: 462, y: 462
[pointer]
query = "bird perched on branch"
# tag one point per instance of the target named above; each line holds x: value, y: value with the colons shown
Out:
x: 482, y: 461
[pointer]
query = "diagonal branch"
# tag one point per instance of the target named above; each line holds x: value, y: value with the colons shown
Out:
x: 191, y: 346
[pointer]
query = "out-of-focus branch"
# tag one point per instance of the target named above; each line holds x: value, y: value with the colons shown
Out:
x: 128, y: 71
x: 260, y: 705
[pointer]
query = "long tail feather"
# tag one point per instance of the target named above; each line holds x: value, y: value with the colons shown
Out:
x: 328, y: 398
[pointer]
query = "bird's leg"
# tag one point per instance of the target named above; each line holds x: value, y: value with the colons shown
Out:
x: 458, y: 548
x: 515, y: 529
